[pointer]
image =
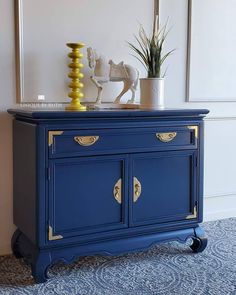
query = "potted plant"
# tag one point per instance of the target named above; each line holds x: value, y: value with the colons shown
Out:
x: 149, y: 51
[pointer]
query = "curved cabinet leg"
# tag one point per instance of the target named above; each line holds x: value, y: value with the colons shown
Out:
x: 199, y: 241
x: 40, y: 266
x: 199, y: 244
x: 15, y: 244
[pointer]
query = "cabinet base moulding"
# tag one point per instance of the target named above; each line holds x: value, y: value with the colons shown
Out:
x: 41, y: 259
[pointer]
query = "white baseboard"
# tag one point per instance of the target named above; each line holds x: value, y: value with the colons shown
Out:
x: 222, y: 214
x: 219, y: 206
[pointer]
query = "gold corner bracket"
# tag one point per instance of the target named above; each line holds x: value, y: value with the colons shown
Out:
x: 194, y: 215
x: 51, y: 237
x: 51, y: 134
x: 196, y: 130
x: 117, y: 191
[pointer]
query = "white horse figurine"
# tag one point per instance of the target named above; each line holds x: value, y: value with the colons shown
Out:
x: 104, y: 71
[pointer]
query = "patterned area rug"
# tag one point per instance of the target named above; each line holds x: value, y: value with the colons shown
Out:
x: 165, y: 269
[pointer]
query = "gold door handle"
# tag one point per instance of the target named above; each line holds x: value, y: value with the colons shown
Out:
x: 117, y: 191
x: 137, y: 189
x: 166, y: 137
x: 86, y: 140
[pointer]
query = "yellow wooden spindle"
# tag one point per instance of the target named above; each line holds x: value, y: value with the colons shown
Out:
x: 76, y: 94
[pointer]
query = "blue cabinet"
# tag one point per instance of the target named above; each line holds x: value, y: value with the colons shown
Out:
x: 167, y: 183
x: 81, y: 190
x: 105, y: 182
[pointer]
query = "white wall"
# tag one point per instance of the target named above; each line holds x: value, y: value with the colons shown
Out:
x: 105, y: 30
x: 220, y: 139
x: 7, y: 91
x: 220, y: 125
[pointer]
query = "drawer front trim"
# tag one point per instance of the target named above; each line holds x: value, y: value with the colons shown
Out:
x: 73, y: 143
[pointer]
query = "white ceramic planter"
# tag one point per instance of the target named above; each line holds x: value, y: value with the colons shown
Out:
x: 152, y: 93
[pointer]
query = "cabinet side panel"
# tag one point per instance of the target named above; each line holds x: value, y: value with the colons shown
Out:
x: 24, y: 178
x: 201, y: 172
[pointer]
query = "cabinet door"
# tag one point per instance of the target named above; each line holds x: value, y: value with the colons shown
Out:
x: 164, y: 187
x: 87, y: 195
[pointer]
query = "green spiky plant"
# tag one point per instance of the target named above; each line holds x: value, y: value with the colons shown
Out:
x: 150, y: 49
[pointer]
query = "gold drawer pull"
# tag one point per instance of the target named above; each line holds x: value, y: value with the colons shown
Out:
x: 166, y: 137
x: 86, y: 140
x: 137, y: 190
x: 117, y: 191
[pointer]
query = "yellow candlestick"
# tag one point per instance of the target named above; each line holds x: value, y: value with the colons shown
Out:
x: 75, y: 76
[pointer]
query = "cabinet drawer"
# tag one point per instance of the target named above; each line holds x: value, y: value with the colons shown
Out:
x: 69, y: 143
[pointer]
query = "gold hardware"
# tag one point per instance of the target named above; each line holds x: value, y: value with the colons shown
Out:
x: 195, y: 128
x: 86, y: 140
x: 51, y: 134
x: 51, y: 237
x: 166, y: 137
x: 194, y: 215
x: 117, y: 191
x: 137, y: 190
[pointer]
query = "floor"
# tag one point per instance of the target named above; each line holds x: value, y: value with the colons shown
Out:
x: 165, y: 269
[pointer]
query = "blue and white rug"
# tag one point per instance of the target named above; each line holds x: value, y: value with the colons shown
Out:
x: 167, y: 269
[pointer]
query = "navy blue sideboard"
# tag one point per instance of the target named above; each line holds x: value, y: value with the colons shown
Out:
x: 105, y: 182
